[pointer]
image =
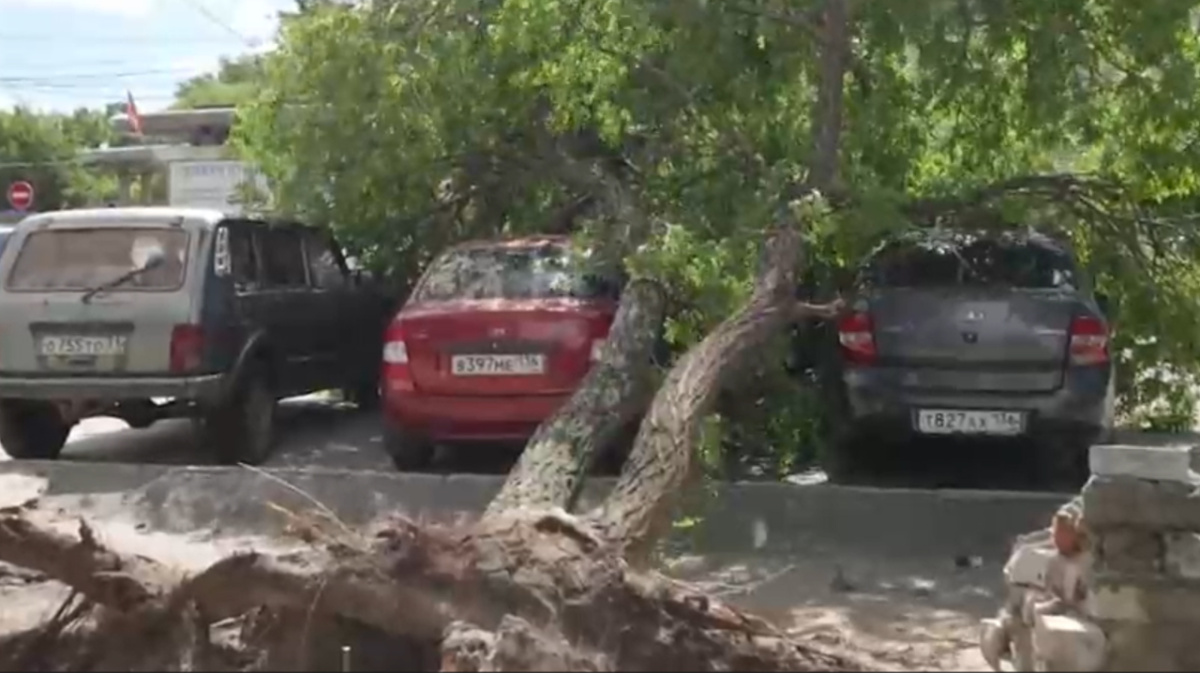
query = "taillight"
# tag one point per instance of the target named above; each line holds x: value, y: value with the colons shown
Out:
x: 1089, y: 341
x: 187, y: 348
x: 396, y: 373
x: 856, y: 338
x: 597, y: 350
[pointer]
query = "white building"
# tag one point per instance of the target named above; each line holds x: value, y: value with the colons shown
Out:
x: 187, y: 164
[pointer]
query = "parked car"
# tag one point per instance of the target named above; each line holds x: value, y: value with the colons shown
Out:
x: 975, y: 334
x: 493, y: 339
x: 143, y: 313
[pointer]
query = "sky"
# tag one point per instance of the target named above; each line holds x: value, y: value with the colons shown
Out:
x: 62, y: 54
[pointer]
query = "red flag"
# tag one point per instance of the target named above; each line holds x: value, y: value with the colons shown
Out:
x: 131, y: 111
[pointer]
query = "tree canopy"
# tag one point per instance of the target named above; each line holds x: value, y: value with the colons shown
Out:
x: 41, y: 149
x: 410, y: 125
x: 232, y: 84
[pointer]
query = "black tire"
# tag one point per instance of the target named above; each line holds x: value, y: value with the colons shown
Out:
x: 1061, y: 461
x: 31, y: 429
x: 243, y: 429
x: 409, y: 453
x: 365, y: 395
x: 853, y: 456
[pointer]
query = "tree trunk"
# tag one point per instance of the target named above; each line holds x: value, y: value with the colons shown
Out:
x: 552, y: 467
x: 638, y: 508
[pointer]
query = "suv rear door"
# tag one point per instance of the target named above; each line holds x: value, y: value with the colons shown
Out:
x: 54, y: 325
x: 974, y: 313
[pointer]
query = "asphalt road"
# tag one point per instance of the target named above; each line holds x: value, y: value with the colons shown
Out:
x: 315, y: 431
x: 310, y: 431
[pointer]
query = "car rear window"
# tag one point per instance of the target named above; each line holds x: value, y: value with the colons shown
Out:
x: 509, y: 273
x: 78, y: 259
x: 982, y: 262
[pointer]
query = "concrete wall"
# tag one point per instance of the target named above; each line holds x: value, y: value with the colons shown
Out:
x: 766, y: 518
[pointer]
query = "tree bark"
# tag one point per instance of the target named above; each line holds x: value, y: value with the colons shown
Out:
x: 551, y: 469
x: 638, y: 508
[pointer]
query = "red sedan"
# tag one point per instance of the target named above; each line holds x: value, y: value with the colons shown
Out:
x: 494, y: 338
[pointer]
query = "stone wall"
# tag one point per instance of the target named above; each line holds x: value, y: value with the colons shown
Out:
x: 1113, y: 584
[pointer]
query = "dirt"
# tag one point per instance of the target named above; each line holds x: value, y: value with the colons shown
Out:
x: 915, y: 614
x: 907, y: 614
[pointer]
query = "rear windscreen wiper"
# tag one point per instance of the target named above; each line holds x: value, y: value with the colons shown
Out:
x: 116, y: 282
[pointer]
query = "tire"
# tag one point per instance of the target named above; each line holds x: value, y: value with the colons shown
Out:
x: 1061, y: 461
x: 32, y: 430
x: 365, y: 395
x: 242, y: 430
x: 854, y: 454
x: 409, y: 453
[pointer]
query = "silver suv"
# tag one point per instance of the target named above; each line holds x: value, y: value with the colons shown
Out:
x: 143, y: 313
x: 986, y: 335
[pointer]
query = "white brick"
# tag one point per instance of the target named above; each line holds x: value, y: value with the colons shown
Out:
x: 1064, y: 643
x: 1160, y: 463
x: 1182, y: 558
x: 1029, y: 566
x: 1116, y: 603
x: 993, y: 641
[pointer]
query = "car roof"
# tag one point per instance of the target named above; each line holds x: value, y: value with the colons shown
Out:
x: 208, y: 217
x: 117, y: 215
x: 964, y: 236
x: 518, y: 243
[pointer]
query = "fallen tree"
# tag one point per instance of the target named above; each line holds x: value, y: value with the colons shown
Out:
x: 529, y: 586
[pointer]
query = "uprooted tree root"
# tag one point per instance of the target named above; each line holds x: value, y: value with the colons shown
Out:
x: 530, y: 590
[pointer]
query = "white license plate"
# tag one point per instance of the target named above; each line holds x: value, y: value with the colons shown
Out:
x: 530, y: 364
x: 956, y: 421
x: 83, y: 345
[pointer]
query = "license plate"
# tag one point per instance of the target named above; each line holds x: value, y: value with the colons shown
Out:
x: 530, y: 364
x: 955, y: 421
x: 83, y: 345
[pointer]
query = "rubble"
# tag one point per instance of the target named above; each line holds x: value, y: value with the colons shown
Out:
x: 1113, y: 582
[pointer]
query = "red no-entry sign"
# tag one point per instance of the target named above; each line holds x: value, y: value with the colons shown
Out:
x: 20, y: 195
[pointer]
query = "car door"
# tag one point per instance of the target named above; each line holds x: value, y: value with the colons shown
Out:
x: 286, y: 307
x: 337, y: 312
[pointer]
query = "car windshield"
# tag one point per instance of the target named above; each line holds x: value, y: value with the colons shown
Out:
x: 79, y: 259
x: 508, y: 273
x: 974, y: 262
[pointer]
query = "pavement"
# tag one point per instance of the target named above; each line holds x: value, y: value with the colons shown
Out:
x: 311, y: 431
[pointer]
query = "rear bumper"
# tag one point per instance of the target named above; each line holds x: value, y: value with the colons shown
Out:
x: 469, y: 418
x: 204, y: 388
x: 1084, y: 402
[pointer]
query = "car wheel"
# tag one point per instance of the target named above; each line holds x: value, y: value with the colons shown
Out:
x: 408, y: 452
x: 365, y: 395
x: 32, y: 429
x: 1061, y: 462
x: 852, y: 456
x: 243, y: 430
